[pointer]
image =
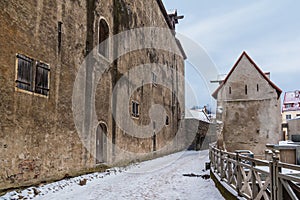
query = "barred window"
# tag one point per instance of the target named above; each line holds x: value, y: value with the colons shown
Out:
x: 32, y: 75
x: 135, y: 109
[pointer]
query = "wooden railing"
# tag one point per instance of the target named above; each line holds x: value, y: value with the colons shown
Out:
x: 254, y: 178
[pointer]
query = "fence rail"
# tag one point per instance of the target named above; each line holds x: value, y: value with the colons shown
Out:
x: 254, y: 178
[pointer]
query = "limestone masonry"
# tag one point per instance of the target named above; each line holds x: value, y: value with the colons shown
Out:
x: 43, y: 46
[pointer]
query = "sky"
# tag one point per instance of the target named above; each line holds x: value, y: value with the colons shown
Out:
x: 269, y: 31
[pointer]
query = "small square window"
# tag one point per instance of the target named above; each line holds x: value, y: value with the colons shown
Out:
x: 288, y: 116
x: 135, y: 109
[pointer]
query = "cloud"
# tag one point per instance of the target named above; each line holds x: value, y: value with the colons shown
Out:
x: 224, y: 26
x: 267, y: 30
x: 278, y: 57
x: 262, y: 28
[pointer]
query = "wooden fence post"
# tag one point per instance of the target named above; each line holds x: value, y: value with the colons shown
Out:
x: 271, y: 169
x: 253, y: 179
x: 277, y: 170
x: 222, y: 166
x: 219, y: 160
x: 239, y: 175
x: 274, y: 176
x: 213, y: 158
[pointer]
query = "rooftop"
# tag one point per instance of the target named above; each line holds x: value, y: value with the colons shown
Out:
x: 291, y: 101
x: 265, y: 75
x: 198, y: 114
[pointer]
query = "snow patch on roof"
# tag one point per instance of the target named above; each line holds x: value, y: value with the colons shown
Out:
x: 198, y: 114
x: 291, y: 101
x: 172, y: 12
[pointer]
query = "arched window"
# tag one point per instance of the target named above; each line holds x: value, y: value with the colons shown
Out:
x: 103, y: 47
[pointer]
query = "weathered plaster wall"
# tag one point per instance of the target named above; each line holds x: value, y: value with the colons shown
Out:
x: 250, y: 119
x: 129, y: 15
x: 293, y: 127
x: 38, y: 138
x: 200, y: 134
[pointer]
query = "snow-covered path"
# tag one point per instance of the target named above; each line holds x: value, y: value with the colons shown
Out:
x: 161, y: 178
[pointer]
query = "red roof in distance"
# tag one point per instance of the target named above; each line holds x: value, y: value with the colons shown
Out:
x: 291, y: 101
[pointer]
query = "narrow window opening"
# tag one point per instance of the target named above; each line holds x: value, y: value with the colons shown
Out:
x: 135, y: 109
x: 87, y: 47
x: 167, y: 120
x: 257, y: 88
x: 154, y: 79
x: 229, y: 90
x: 246, y: 89
x: 59, y: 30
x: 103, y: 46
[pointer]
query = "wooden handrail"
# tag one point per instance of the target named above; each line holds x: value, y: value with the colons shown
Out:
x: 254, y: 178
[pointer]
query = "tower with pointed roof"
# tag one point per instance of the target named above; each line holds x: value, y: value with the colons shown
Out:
x: 248, y: 108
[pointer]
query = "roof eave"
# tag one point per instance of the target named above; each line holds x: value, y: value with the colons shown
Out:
x: 278, y: 90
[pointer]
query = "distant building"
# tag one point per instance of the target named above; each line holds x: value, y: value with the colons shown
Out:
x: 290, y: 110
x: 294, y: 129
x: 248, y: 105
x: 199, y: 129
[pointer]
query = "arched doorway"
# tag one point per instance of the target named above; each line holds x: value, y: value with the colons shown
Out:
x: 101, y: 145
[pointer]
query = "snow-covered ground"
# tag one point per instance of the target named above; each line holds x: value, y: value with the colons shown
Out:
x: 161, y: 178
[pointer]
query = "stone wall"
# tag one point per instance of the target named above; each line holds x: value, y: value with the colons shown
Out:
x: 200, y: 134
x: 250, y: 109
x: 40, y: 139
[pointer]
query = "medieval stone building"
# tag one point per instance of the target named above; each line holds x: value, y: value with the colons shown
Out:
x: 58, y: 103
x: 248, y: 104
